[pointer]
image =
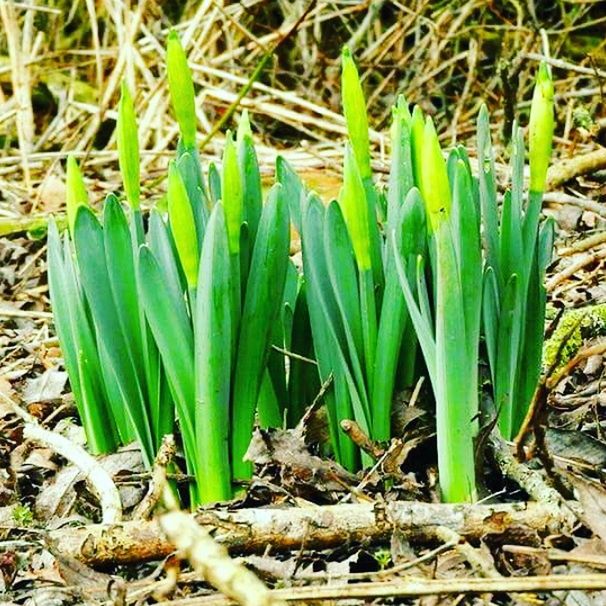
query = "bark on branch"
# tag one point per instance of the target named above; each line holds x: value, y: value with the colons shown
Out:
x: 253, y: 530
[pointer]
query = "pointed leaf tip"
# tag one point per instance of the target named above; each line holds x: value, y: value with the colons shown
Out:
x: 181, y: 88
x: 76, y: 194
x: 128, y: 147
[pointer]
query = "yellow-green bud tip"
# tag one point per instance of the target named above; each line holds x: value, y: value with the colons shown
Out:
x: 183, y: 225
x: 435, y: 187
x: 355, y: 210
x: 128, y: 147
x: 232, y: 194
x: 540, y: 128
x: 181, y: 89
x: 354, y: 108
x: 244, y: 129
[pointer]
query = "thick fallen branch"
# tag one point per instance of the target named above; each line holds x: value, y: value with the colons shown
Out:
x: 253, y: 530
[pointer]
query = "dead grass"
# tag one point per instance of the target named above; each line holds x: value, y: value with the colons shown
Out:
x: 61, y: 64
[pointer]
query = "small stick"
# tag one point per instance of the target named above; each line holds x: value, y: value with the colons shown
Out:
x: 572, y: 269
x: 584, y: 203
x: 360, y: 439
x: 557, y: 555
x: 530, y: 480
x: 583, y: 354
x: 479, y: 564
x: 157, y: 484
x: 584, y: 244
x: 99, y: 480
x: 293, y: 355
x: 579, y: 165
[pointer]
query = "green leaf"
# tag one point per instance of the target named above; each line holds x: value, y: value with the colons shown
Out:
x: 78, y: 347
x: 232, y: 194
x: 294, y: 189
x: 214, y: 184
x: 488, y: 193
x: 409, y: 230
x: 213, y: 357
x: 355, y: 211
x: 250, y: 177
x: 261, y: 307
x: 183, y: 225
x: 121, y: 271
x: 166, y: 313
x: 420, y: 321
x: 491, y: 315
x: 96, y: 282
x: 189, y: 168
x: 75, y: 191
x: 303, y: 380
x: 345, y: 286
x: 469, y: 252
x: 128, y: 147
x: 326, y: 329
x: 401, y: 177
x: 507, y: 356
